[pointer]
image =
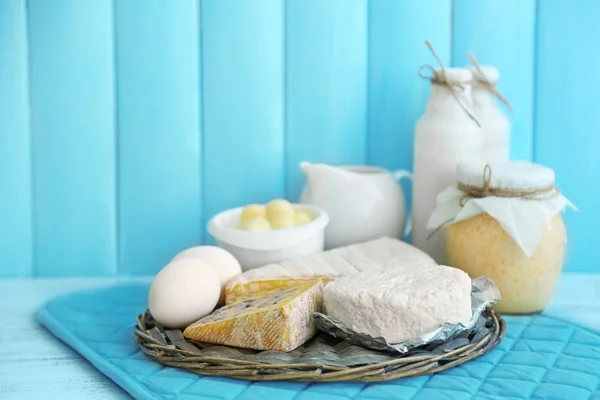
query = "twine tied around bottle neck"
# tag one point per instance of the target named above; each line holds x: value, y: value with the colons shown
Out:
x: 485, y: 82
x: 487, y: 190
x: 441, y: 78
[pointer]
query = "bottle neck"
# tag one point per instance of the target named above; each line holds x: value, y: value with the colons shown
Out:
x: 482, y: 96
x: 441, y: 99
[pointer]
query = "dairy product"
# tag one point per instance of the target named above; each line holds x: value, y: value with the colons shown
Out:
x: 281, y: 319
x: 480, y: 247
x: 382, y: 253
x: 402, y: 303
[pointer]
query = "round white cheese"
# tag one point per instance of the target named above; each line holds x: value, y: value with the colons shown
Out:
x: 402, y: 303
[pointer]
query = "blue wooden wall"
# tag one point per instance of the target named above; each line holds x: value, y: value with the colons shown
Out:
x: 126, y: 124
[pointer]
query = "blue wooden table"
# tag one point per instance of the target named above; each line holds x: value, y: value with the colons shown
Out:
x: 34, y: 365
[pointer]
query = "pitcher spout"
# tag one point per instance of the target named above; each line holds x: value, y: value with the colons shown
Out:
x: 321, y: 180
x: 320, y: 171
x: 306, y: 167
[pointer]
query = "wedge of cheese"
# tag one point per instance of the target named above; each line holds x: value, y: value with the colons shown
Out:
x: 260, y: 288
x: 280, y: 319
x: 382, y: 253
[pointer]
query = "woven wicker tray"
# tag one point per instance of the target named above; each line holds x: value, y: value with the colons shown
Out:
x: 322, y: 359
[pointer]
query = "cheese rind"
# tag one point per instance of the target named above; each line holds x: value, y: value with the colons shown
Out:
x: 259, y: 288
x: 402, y: 303
x: 382, y: 253
x: 280, y: 319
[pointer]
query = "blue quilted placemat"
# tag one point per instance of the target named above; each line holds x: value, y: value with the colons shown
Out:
x: 540, y: 358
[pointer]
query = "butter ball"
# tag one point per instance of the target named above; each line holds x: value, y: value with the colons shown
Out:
x: 257, y: 224
x: 277, y: 207
x: 253, y: 211
x: 220, y: 260
x: 184, y: 291
x: 282, y: 221
x: 302, y: 217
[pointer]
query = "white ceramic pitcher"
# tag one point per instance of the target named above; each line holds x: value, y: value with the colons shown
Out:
x: 363, y: 202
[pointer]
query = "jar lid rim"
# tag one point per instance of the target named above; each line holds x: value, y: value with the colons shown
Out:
x: 517, y: 175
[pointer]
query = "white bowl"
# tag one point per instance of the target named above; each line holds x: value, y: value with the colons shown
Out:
x: 256, y: 248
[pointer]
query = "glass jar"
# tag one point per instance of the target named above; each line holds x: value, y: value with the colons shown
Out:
x: 480, y: 247
x: 503, y: 221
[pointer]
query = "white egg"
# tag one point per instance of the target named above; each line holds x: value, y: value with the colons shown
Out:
x: 184, y: 291
x: 224, y: 264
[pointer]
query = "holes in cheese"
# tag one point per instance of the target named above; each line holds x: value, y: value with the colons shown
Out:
x: 280, y: 319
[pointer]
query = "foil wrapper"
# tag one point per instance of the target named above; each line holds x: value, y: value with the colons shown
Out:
x: 484, y: 294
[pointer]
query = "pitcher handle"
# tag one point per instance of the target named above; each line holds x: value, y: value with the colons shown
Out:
x: 402, y: 173
x: 399, y: 175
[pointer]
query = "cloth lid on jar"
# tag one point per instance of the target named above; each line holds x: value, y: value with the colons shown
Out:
x: 457, y: 74
x: 488, y: 73
x: 525, y: 221
x: 521, y: 175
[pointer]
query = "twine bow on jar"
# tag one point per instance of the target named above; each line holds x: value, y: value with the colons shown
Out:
x: 484, y: 81
x: 487, y: 190
x: 441, y: 78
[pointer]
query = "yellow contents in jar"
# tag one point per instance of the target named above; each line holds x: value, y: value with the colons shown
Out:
x: 480, y: 247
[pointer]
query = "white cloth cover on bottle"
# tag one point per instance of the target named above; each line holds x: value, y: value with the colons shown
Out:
x: 523, y: 218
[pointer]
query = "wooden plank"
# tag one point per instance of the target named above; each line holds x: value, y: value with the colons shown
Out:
x: 326, y: 85
x: 242, y: 45
x: 397, y: 95
x: 70, y: 379
x: 160, y: 210
x: 566, y: 117
x: 21, y: 298
x: 16, y: 234
x: 502, y: 33
x: 37, y: 365
x: 72, y: 100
